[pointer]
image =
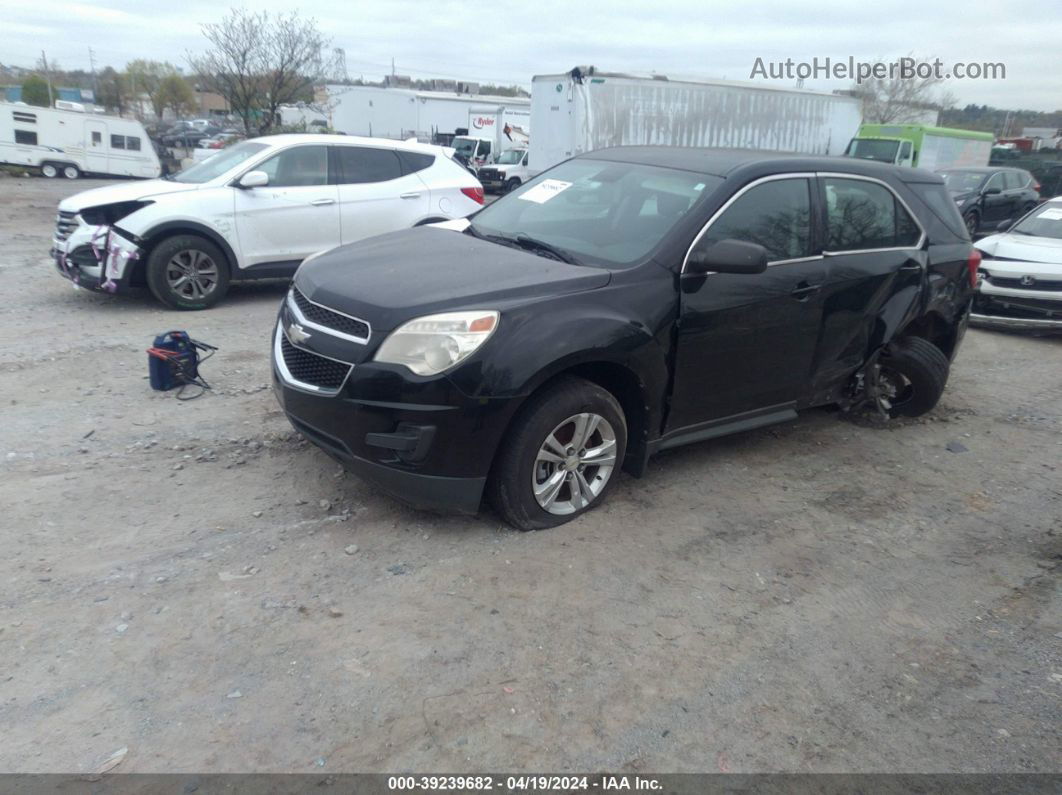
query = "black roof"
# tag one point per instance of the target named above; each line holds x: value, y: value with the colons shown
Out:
x: 725, y: 162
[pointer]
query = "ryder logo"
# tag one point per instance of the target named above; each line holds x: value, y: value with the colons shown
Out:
x: 482, y: 122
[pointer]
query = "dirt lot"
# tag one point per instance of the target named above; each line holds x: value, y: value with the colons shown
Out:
x: 181, y: 579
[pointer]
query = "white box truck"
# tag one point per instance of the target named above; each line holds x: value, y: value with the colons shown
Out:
x: 402, y: 113
x: 70, y: 142
x: 491, y: 131
x: 587, y: 109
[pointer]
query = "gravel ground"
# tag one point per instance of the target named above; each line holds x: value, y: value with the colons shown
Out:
x: 194, y: 583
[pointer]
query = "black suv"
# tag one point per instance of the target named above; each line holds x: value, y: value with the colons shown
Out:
x: 624, y: 302
x: 987, y: 196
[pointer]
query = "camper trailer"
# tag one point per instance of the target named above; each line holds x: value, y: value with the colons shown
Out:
x: 68, y: 141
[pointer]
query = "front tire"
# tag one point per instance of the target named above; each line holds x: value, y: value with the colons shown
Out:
x: 561, y: 456
x: 188, y: 272
x: 49, y: 170
x: 512, y: 184
x: 913, y: 374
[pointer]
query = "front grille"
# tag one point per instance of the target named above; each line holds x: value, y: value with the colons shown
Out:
x: 64, y: 224
x: 1047, y: 285
x: 328, y: 318
x: 309, y: 368
x: 488, y: 173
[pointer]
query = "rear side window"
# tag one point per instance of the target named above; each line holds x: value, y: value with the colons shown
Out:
x: 864, y: 215
x: 362, y: 164
x: 414, y: 161
x: 25, y: 137
x: 938, y: 200
x: 132, y: 143
x: 117, y: 142
x: 1014, y: 180
x: 775, y: 214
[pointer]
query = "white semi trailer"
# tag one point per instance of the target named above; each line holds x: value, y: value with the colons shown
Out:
x: 587, y: 109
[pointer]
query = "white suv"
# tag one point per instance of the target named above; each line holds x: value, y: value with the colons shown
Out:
x: 254, y: 211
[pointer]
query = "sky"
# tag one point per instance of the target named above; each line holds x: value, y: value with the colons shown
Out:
x: 508, y: 42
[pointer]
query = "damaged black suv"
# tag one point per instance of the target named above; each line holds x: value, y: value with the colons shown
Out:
x: 626, y: 301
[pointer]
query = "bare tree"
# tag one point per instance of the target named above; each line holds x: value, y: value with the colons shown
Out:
x: 898, y: 100
x: 258, y: 63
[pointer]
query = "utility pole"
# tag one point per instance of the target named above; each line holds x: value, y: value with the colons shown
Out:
x: 95, y: 87
x: 48, y: 77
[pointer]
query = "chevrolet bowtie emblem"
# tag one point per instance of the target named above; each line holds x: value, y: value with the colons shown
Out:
x: 297, y: 333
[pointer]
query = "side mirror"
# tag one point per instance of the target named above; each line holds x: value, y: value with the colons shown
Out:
x: 524, y: 163
x: 993, y: 191
x: 254, y: 179
x: 729, y: 256
x: 1005, y: 225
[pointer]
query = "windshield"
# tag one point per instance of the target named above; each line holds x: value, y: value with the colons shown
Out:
x: 1044, y: 221
x: 510, y: 157
x: 962, y: 181
x: 870, y: 149
x: 597, y: 211
x: 224, y: 160
x: 465, y: 146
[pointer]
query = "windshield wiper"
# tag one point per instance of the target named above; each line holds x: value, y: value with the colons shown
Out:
x: 534, y: 244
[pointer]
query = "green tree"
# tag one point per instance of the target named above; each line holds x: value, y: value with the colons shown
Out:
x: 176, y: 93
x: 113, y: 89
x: 35, y: 91
x: 156, y: 79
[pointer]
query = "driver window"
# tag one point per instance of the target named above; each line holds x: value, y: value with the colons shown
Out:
x: 775, y: 214
x: 995, y: 182
x: 299, y: 166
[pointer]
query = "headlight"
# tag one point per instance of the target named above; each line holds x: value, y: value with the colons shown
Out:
x: 434, y: 343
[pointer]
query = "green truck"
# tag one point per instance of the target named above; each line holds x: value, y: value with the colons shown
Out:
x: 920, y: 146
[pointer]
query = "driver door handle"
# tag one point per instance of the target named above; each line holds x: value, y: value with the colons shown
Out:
x: 410, y: 195
x: 322, y: 202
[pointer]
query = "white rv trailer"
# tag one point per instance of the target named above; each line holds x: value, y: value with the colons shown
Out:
x: 69, y: 141
x: 587, y: 109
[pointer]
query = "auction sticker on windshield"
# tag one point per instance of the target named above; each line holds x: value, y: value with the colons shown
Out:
x: 1052, y: 215
x: 544, y: 191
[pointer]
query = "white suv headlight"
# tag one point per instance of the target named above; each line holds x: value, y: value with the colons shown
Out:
x: 434, y: 343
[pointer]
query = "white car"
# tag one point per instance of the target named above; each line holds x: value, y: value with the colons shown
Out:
x: 1021, y: 273
x: 255, y: 210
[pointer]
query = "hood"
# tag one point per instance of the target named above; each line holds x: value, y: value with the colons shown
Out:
x: 393, y: 278
x: 1024, y: 248
x: 122, y: 192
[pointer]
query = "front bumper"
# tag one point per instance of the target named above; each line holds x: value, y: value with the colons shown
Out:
x: 95, y: 257
x: 1004, y: 301
x: 1014, y: 323
x: 416, y: 438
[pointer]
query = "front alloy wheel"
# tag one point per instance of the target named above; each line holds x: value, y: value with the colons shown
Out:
x: 574, y: 464
x: 188, y: 272
x: 192, y: 274
x: 560, y: 456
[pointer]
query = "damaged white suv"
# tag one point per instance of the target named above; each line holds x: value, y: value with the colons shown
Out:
x: 254, y: 211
